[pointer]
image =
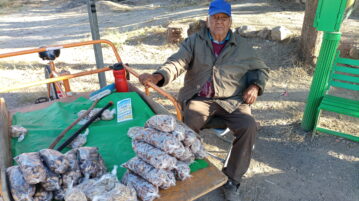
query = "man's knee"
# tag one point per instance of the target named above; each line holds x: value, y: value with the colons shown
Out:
x: 190, y: 120
x: 245, y: 125
x: 195, y: 114
x: 194, y: 119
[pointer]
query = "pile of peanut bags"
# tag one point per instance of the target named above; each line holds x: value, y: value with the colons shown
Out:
x: 165, y: 148
x: 78, y: 175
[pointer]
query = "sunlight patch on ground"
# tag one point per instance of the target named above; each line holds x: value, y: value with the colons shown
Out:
x: 278, y: 105
x: 272, y: 139
x: 343, y: 156
x: 259, y: 168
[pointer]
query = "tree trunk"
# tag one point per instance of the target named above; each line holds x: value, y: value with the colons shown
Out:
x: 311, y: 39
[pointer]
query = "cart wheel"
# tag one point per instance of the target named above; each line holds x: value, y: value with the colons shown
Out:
x: 51, y: 88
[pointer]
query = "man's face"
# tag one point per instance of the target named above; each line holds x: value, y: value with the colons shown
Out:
x: 219, y: 24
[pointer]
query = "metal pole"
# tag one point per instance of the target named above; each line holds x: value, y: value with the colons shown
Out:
x: 91, y: 6
x: 320, y: 78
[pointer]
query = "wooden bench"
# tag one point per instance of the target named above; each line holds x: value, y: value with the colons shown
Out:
x: 345, y: 75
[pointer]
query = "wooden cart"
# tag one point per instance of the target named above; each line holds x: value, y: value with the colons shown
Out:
x: 201, y: 182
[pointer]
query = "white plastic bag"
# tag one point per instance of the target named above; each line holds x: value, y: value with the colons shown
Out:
x: 54, y: 160
x: 59, y: 194
x: 158, y: 177
x: 165, y: 141
x: 154, y: 156
x: 53, y: 181
x: 165, y: 123
x: 18, y: 132
x: 73, y: 175
x: 119, y: 193
x: 43, y: 195
x: 145, y: 190
x: 80, y: 140
x: 31, y: 167
x: 75, y: 194
x: 179, y: 132
x: 102, y: 185
x: 20, y: 190
x: 90, y: 161
x: 182, y: 171
x: 122, y: 193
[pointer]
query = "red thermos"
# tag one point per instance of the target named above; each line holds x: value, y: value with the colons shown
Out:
x: 119, y: 72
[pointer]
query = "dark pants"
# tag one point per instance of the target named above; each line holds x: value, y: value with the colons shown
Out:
x: 198, y: 112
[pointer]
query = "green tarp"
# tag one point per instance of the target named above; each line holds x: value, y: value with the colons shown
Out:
x: 109, y: 136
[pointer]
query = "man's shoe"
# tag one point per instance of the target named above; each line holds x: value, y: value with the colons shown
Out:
x: 231, y: 191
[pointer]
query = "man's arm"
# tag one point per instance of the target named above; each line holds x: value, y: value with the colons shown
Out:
x: 154, y: 78
x: 250, y: 94
x: 256, y: 79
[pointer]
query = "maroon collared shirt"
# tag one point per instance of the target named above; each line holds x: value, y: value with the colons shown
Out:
x: 207, y: 89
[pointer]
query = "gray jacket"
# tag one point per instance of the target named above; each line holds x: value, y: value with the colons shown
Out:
x: 232, y: 71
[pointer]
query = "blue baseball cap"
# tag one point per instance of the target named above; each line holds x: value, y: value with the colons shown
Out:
x: 219, y: 6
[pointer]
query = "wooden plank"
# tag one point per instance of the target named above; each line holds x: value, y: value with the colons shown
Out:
x: 339, y: 110
x: 337, y: 99
x: 346, y: 78
x: 339, y: 134
x: 202, y: 182
x: 4, y: 133
x: 347, y: 61
x: 4, y: 190
x: 344, y: 85
x: 343, y: 105
x: 345, y: 69
x: 5, y: 153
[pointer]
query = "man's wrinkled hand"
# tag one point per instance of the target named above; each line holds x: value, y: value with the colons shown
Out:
x: 250, y: 94
x: 145, y: 78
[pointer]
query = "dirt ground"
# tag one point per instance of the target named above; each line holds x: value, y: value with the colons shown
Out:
x: 286, y: 165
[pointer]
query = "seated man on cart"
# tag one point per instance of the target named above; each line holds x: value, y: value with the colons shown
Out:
x: 223, y: 78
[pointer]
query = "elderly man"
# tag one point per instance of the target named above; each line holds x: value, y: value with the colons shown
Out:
x: 223, y: 78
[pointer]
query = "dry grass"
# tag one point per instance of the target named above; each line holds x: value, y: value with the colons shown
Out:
x: 153, y: 35
x: 187, y: 3
x: 115, y: 7
x: 339, y: 123
x: 7, y: 6
x: 3, y: 3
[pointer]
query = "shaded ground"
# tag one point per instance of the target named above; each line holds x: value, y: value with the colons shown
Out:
x: 286, y: 164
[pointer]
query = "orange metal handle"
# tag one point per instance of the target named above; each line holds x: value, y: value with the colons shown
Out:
x: 69, y: 45
x: 160, y: 91
x: 55, y: 79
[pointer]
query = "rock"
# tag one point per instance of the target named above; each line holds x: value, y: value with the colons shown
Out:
x: 176, y: 33
x: 196, y: 26
x: 354, y: 52
x: 345, y: 46
x: 247, y: 31
x: 264, y: 33
x: 280, y: 33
